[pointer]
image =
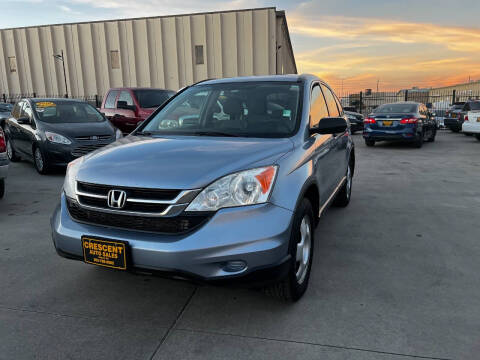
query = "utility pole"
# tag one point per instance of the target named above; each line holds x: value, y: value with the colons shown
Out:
x: 378, y: 81
x: 62, y: 59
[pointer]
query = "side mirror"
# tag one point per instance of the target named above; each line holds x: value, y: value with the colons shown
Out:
x: 330, y: 125
x: 23, y: 120
x: 123, y: 105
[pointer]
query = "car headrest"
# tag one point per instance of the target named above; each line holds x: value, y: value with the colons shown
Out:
x: 232, y: 106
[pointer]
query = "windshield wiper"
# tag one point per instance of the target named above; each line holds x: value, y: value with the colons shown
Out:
x: 214, y: 133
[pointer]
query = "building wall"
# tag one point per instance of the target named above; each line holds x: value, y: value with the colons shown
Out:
x: 147, y: 52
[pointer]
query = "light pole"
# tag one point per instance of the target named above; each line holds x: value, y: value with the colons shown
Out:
x: 62, y: 59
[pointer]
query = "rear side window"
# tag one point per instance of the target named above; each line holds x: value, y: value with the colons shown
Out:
x: 475, y: 105
x: 110, y: 101
x: 318, y: 109
x: 331, y: 103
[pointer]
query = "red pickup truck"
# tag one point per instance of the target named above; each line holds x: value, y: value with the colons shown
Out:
x: 127, y: 107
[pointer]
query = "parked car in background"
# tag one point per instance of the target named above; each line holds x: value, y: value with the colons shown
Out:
x: 5, y: 112
x: 3, y: 163
x: 355, y: 118
x: 402, y: 121
x: 217, y: 198
x: 53, y: 132
x: 471, y: 123
x: 452, y: 120
x: 127, y: 107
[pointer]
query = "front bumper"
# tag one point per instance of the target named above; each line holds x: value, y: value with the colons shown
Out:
x: 471, y: 127
x: 61, y: 155
x: 258, y: 235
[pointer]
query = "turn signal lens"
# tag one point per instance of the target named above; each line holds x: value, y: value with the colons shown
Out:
x: 265, y: 178
x: 369, y: 120
x: 410, y: 120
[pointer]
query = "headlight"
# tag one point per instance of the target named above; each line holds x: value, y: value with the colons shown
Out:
x: 118, y: 134
x: 56, y: 138
x: 71, y: 177
x: 243, y: 188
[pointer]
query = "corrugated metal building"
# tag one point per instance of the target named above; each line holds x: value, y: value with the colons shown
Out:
x: 164, y: 51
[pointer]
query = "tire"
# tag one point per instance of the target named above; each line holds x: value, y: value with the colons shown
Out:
x: 432, y: 137
x: 369, y: 142
x: 455, y: 130
x: 343, y: 197
x: 2, y: 188
x: 477, y: 136
x: 11, y: 153
x: 419, y: 142
x: 294, y: 285
x: 352, y: 132
x: 39, y: 161
x: 467, y: 134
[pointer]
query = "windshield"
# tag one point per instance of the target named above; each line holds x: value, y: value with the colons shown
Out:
x: 56, y: 112
x: 251, y: 109
x: 152, y: 98
x: 396, y: 108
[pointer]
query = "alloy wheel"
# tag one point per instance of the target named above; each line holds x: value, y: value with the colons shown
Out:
x: 303, y: 249
x: 9, y: 150
x: 349, y: 181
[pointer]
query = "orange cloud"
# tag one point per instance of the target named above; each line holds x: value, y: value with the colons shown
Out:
x: 398, y: 54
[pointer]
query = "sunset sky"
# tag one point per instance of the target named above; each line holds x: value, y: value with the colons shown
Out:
x: 351, y: 44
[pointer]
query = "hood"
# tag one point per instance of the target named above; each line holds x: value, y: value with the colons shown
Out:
x: 146, y: 112
x: 72, y: 130
x: 182, y: 162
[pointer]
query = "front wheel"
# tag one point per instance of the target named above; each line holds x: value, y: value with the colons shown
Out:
x: 40, y: 162
x: 294, y: 285
x: 432, y: 136
x: 2, y: 188
x: 369, y: 142
x: 477, y: 136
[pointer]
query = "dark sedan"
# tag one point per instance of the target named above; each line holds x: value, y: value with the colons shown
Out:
x: 53, y: 132
x: 5, y: 113
x: 403, y: 121
x: 355, y: 119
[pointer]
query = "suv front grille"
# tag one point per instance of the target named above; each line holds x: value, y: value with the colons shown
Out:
x: 152, y: 194
x: 167, y: 225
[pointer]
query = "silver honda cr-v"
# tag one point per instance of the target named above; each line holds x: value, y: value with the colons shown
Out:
x: 225, y: 181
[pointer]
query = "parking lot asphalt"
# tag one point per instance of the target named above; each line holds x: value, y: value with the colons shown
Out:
x: 396, y: 275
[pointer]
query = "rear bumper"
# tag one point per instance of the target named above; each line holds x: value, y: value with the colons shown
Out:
x: 471, y: 127
x: 453, y: 123
x: 407, y: 134
x: 257, y: 235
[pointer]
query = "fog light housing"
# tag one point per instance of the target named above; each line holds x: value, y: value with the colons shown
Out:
x: 235, y: 266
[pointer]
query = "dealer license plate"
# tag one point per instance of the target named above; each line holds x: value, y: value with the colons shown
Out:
x: 106, y: 253
x: 387, y: 123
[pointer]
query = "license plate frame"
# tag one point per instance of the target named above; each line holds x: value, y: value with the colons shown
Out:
x: 103, y: 253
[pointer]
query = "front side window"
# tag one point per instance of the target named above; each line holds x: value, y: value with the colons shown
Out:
x: 125, y: 96
x: 475, y: 105
x: 251, y: 109
x: 318, y: 108
x: 58, y: 112
x: 110, y: 101
x: 331, y: 103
